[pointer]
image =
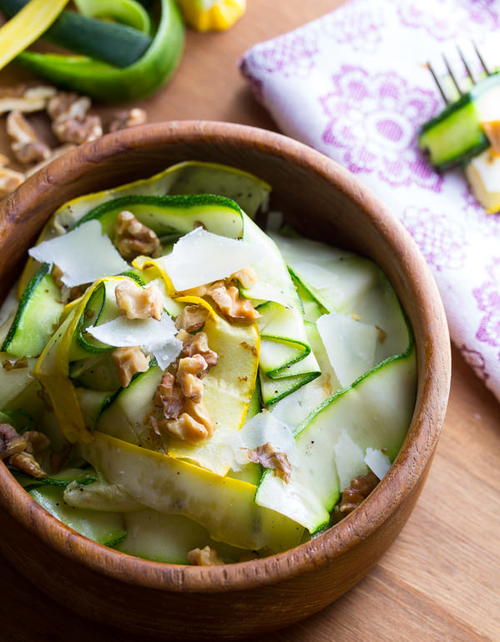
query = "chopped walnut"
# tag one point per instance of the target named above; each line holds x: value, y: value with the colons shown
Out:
x: 70, y: 120
x: 206, y: 556
x: 189, y: 373
x: 15, y: 365
x: 68, y: 105
x: 246, y: 277
x: 128, y: 361
x: 268, y: 457
x: 192, y: 318
x: 168, y: 397
x: 193, y: 425
x: 137, y: 302
x: 26, y: 145
x: 230, y: 303
x: 9, y: 181
x: 25, y: 99
x: 132, y: 238
x: 198, y: 344
x: 20, y: 450
x: 74, y: 131
x: 130, y: 118
x: 352, y: 497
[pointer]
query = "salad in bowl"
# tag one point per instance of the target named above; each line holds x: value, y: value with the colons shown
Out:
x: 186, y: 386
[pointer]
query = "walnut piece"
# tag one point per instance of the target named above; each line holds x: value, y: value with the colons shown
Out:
x: 129, y: 118
x: 189, y: 373
x: 206, y: 556
x: 24, y: 98
x: 187, y: 428
x: 137, y: 302
x: 132, y: 238
x: 198, y: 344
x: 9, y: 181
x: 20, y: 450
x: 268, y: 457
x: 22, y: 362
x: 168, y: 397
x: 352, y: 497
x: 192, y: 318
x: 71, y: 122
x: 128, y: 361
x: 230, y: 303
x: 26, y: 145
x: 179, y: 410
x: 246, y: 277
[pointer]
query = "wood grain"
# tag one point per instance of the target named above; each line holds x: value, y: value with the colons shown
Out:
x: 439, y: 580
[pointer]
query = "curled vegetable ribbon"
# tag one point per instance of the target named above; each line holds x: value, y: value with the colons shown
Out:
x: 52, y: 370
x: 27, y: 26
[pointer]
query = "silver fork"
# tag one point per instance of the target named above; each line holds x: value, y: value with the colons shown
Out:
x: 453, y: 76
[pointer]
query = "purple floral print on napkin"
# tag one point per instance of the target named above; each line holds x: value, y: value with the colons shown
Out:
x: 354, y: 85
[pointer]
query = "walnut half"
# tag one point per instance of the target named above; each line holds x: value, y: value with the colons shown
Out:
x: 20, y: 450
x: 132, y: 238
x: 137, y: 302
x: 129, y: 361
x: 25, y: 144
x: 206, y: 556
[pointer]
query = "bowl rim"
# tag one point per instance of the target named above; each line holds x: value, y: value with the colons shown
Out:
x: 416, y: 452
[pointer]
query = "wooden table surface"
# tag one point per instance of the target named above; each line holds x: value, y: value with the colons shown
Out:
x: 441, y: 579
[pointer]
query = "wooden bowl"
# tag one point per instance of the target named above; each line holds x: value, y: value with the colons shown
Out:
x: 226, y: 602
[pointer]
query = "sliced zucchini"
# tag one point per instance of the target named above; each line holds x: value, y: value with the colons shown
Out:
x: 172, y: 214
x: 40, y: 309
x: 100, y: 496
x: 162, y: 538
x: 18, y: 389
x: 456, y: 135
x: 104, y: 528
x: 375, y: 412
x: 191, y: 177
x: 116, y: 44
x: 125, y: 416
x: 224, y: 506
x: 60, y: 480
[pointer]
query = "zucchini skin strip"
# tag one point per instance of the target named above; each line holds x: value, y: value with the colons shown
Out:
x: 27, y: 26
x: 111, y: 84
x: 111, y: 42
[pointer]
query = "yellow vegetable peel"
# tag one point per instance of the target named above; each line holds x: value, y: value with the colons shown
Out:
x: 27, y: 26
x: 227, y: 388
x: 52, y: 370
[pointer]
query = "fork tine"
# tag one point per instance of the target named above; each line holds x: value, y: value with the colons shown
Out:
x: 481, y: 60
x: 452, y: 75
x: 466, y: 65
x: 438, y: 84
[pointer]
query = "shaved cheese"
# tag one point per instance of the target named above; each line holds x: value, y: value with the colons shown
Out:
x: 350, y: 345
x: 268, y: 292
x: 349, y: 460
x: 83, y: 255
x: 377, y: 462
x: 201, y: 257
x: 156, y: 337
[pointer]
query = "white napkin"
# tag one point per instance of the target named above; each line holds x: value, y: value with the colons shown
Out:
x: 354, y: 85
